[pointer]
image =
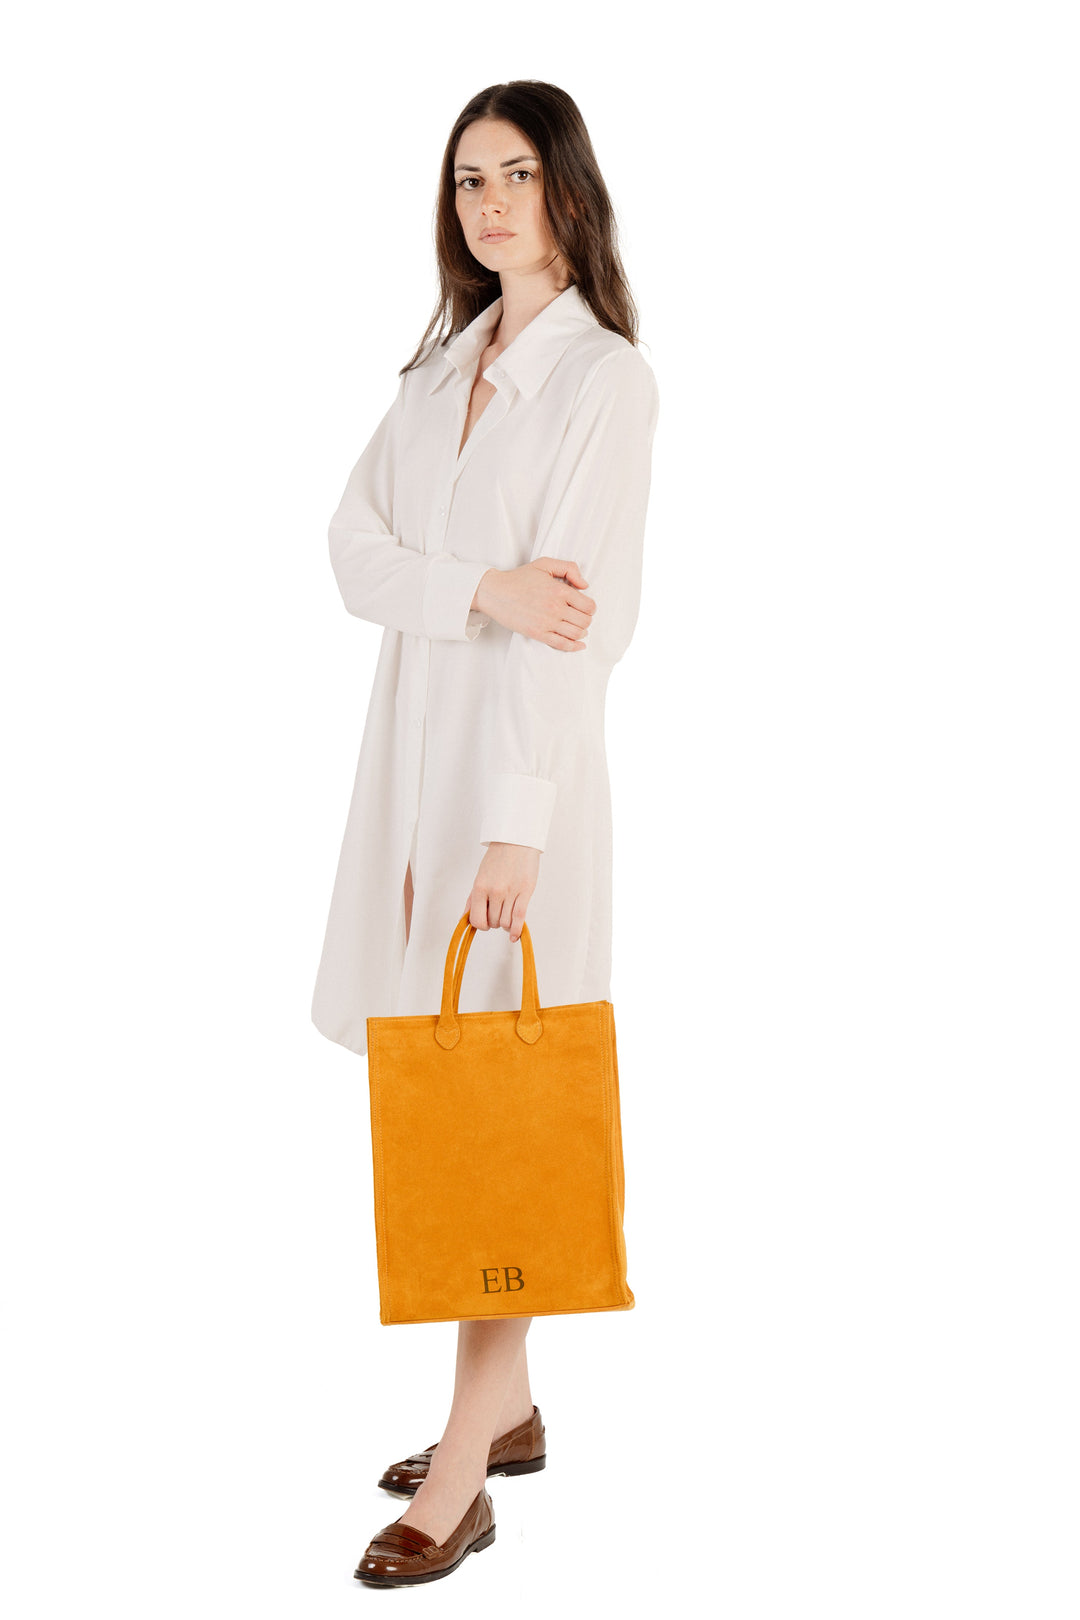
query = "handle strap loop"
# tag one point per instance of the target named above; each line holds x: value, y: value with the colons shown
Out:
x: 448, y: 1027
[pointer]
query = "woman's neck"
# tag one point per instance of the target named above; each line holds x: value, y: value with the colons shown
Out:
x: 522, y: 300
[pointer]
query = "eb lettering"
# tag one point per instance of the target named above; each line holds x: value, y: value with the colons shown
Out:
x: 512, y: 1274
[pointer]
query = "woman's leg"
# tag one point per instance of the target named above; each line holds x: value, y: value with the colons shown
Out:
x: 518, y: 1402
x: 489, y: 1373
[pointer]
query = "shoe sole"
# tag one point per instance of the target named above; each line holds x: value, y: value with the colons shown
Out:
x: 368, y: 1579
x: 533, y: 1466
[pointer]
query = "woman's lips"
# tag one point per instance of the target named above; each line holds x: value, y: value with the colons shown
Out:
x: 496, y: 236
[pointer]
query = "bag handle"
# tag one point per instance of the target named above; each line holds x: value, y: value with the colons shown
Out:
x: 447, y: 1027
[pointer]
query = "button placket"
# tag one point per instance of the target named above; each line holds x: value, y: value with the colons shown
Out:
x: 489, y: 418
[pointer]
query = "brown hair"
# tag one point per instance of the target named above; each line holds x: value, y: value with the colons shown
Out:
x: 579, y: 212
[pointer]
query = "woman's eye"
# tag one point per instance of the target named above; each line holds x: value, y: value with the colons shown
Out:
x: 465, y: 184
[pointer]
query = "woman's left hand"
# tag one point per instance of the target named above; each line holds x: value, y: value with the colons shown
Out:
x: 503, y: 887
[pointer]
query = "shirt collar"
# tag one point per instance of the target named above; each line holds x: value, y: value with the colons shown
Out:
x: 529, y: 359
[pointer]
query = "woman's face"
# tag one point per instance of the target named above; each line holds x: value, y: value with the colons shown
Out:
x: 500, y: 188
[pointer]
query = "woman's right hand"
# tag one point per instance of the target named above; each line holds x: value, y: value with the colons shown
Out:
x: 503, y: 886
x: 542, y: 599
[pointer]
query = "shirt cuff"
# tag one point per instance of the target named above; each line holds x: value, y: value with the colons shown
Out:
x: 449, y: 588
x: 517, y: 810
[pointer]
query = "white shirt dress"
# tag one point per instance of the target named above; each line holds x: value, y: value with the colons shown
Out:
x: 475, y: 733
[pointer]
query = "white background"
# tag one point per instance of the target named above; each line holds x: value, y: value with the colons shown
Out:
x: 843, y: 756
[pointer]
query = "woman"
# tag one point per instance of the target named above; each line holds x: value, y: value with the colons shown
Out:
x: 509, y: 479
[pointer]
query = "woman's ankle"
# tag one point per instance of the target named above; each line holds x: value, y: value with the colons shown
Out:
x: 513, y: 1416
x: 454, y: 1466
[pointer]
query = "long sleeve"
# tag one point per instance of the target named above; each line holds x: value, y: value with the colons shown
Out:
x: 382, y: 579
x: 595, y: 516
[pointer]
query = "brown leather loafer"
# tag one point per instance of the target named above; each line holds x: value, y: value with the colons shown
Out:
x: 401, y: 1555
x: 521, y: 1451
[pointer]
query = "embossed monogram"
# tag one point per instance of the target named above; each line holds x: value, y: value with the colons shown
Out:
x: 512, y: 1274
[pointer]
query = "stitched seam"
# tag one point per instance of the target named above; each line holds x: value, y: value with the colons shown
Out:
x: 380, y: 1179
x: 610, y: 1118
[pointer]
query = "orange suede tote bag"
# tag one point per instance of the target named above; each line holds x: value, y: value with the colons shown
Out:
x: 497, y: 1154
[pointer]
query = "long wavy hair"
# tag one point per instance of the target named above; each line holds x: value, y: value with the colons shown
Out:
x: 579, y: 212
